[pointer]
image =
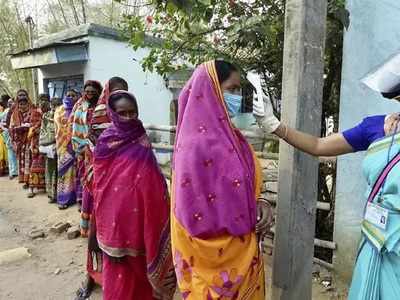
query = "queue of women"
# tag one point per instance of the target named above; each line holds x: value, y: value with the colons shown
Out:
x: 201, y: 237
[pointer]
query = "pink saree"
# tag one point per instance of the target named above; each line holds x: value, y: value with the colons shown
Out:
x: 131, y: 207
x: 216, y: 181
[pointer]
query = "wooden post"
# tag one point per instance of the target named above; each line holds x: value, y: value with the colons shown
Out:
x: 303, y: 65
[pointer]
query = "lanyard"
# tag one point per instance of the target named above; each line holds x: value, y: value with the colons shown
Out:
x: 387, y: 162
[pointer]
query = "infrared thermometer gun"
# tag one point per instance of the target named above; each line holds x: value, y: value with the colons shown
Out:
x: 258, y: 101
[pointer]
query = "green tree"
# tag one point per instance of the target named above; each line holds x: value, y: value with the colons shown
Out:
x: 249, y: 33
x: 13, y: 37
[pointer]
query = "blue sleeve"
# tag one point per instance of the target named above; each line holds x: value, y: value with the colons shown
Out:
x: 365, y: 133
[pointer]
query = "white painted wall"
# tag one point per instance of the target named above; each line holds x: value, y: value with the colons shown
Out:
x: 108, y: 58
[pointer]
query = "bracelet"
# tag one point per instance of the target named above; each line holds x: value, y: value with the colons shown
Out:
x: 286, y: 131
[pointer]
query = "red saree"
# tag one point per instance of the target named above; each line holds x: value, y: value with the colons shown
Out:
x: 38, y: 166
x: 20, y: 141
x: 132, y: 214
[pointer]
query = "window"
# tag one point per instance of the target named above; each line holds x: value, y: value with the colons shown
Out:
x: 58, y: 87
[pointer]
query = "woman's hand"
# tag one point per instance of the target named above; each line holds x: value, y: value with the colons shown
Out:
x: 391, y: 123
x: 265, y: 217
x: 93, y: 245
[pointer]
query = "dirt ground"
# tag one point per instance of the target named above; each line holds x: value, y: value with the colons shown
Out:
x: 57, y: 265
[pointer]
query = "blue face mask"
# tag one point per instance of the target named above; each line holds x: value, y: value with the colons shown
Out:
x: 233, y: 103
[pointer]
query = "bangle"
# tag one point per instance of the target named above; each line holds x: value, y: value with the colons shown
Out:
x: 285, y: 130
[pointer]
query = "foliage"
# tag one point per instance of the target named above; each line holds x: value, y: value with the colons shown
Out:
x: 13, y: 37
x: 49, y: 16
x: 249, y: 33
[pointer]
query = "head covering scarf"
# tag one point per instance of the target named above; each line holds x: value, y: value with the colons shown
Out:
x: 47, y: 129
x: 213, y: 164
x: 81, y: 118
x: 101, y: 119
x: 127, y: 179
x: 20, y: 136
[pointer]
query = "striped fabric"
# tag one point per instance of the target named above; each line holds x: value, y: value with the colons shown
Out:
x: 80, y: 126
x: 376, y: 273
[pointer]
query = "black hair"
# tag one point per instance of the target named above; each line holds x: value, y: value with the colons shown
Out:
x: 23, y: 91
x: 224, y: 70
x: 4, y: 100
x: 77, y: 93
x: 116, y: 97
x: 44, y: 96
x: 118, y: 81
x: 95, y: 84
x: 56, y: 100
x: 73, y: 90
x: 394, y: 93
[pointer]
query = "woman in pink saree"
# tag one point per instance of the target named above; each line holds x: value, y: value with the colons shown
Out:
x: 131, y: 207
x: 216, y: 183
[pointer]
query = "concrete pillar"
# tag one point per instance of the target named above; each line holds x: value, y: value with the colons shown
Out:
x: 303, y: 66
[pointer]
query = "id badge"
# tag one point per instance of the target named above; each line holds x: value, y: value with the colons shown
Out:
x: 377, y: 215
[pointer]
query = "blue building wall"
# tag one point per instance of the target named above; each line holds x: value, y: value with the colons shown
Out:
x: 373, y: 35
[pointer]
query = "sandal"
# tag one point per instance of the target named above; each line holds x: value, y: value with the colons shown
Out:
x: 62, y: 207
x: 31, y: 195
x: 83, y: 293
x: 86, y: 290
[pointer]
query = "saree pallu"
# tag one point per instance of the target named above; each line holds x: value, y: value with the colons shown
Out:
x: 376, y: 274
x: 24, y: 164
x: 66, y: 177
x: 11, y: 158
x: 86, y: 183
x: 80, y: 121
x: 3, y: 143
x: 66, y: 161
x: 38, y: 165
x: 51, y: 177
x: 216, y: 181
x: 20, y: 142
x: 37, y: 172
x: 101, y: 120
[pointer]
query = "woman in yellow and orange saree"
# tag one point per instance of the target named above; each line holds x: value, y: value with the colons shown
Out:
x: 216, y: 182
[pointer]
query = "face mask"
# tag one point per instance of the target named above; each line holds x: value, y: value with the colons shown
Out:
x: 68, y: 101
x: 233, y: 103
